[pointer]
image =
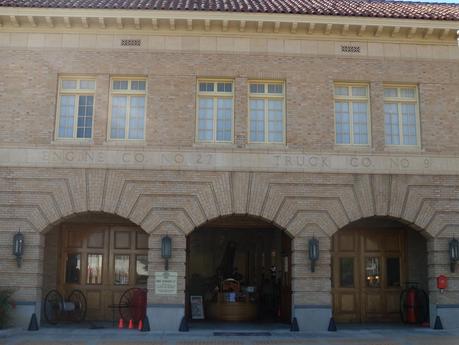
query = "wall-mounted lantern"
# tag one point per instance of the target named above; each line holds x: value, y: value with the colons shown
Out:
x: 18, y: 247
x: 313, y: 252
x: 453, y: 253
x: 166, y: 250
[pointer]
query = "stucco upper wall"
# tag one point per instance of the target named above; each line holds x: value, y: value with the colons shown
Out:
x: 32, y: 63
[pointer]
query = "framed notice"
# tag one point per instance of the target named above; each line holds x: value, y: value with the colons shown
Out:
x: 166, y: 283
x: 197, y: 309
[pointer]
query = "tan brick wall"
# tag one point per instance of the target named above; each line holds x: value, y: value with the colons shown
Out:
x: 30, y: 118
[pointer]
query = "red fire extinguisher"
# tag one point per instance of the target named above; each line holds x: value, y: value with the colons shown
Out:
x: 442, y: 282
x: 411, y: 306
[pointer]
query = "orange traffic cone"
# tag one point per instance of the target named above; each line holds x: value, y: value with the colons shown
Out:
x: 121, y: 323
x: 131, y: 324
x: 140, y: 325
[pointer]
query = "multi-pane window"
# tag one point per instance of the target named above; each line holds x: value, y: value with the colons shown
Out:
x: 266, y: 112
x: 215, y: 111
x: 127, y: 108
x: 401, y: 115
x: 75, y: 108
x: 352, y: 114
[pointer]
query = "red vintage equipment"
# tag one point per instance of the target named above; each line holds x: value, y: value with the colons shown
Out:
x: 442, y: 282
x: 411, y: 306
x: 414, y: 304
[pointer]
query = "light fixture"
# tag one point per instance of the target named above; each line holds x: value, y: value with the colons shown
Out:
x: 313, y: 252
x: 18, y: 247
x: 453, y: 253
x: 166, y: 250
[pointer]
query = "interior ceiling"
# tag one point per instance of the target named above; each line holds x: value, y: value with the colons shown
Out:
x: 241, y: 222
x: 97, y: 217
x: 379, y: 222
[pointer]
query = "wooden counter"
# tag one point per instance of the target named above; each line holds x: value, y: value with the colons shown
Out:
x: 236, y: 311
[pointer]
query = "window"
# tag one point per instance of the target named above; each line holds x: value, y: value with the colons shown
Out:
x: 141, y: 269
x: 215, y: 111
x: 121, y: 270
x: 346, y: 277
x: 351, y: 114
x: 401, y: 115
x: 75, y: 108
x: 94, y: 271
x: 266, y: 112
x: 127, y: 120
x: 73, y: 268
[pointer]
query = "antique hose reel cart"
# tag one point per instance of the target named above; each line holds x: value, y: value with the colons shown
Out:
x: 57, y: 309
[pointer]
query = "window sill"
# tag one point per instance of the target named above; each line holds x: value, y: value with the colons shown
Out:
x: 77, y: 142
x: 215, y: 145
x: 127, y: 142
x: 267, y: 146
x: 356, y: 148
x: 402, y: 148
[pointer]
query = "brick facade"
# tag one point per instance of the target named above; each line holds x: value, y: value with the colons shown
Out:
x: 174, y: 201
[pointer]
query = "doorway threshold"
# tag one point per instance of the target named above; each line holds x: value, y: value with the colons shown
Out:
x: 377, y: 326
x: 239, y: 328
x: 242, y: 334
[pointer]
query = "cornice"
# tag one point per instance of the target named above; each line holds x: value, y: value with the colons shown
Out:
x: 224, y: 22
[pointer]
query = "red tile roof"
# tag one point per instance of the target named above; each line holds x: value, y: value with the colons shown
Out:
x: 360, y: 8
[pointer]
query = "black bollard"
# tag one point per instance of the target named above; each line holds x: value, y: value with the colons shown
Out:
x: 184, y: 325
x: 438, y: 324
x: 294, y: 326
x: 145, y: 325
x: 332, y: 325
x: 33, y: 324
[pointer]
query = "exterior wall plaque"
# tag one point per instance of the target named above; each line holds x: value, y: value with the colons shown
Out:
x: 166, y: 283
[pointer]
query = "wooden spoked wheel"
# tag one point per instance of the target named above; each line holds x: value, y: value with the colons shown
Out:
x: 78, y: 300
x: 133, y: 304
x: 53, y: 306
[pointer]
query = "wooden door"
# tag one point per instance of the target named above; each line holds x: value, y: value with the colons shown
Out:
x: 286, y: 281
x: 102, y: 261
x: 368, y: 268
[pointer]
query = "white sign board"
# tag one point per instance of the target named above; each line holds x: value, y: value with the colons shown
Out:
x: 197, y: 309
x: 166, y: 283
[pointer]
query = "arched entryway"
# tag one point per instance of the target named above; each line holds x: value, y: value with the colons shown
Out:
x: 100, y: 254
x: 240, y: 268
x: 373, y: 259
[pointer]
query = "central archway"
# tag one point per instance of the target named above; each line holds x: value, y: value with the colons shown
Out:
x: 239, y: 266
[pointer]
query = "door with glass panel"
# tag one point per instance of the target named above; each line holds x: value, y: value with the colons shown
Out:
x: 368, y: 268
x: 103, y: 261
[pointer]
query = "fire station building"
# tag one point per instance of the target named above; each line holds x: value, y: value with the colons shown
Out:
x: 253, y: 161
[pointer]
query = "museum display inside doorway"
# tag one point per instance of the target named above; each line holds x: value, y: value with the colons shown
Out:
x: 238, y: 270
x: 373, y: 260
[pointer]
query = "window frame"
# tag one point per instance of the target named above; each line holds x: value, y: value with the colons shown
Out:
x: 214, y: 95
x: 77, y: 93
x: 399, y: 100
x: 266, y: 97
x: 129, y: 93
x: 350, y: 99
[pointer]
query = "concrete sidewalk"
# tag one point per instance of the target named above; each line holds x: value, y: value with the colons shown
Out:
x: 344, y: 336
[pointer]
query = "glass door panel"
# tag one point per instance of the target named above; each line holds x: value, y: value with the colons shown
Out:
x: 393, y: 272
x: 373, y: 272
x: 346, y: 272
